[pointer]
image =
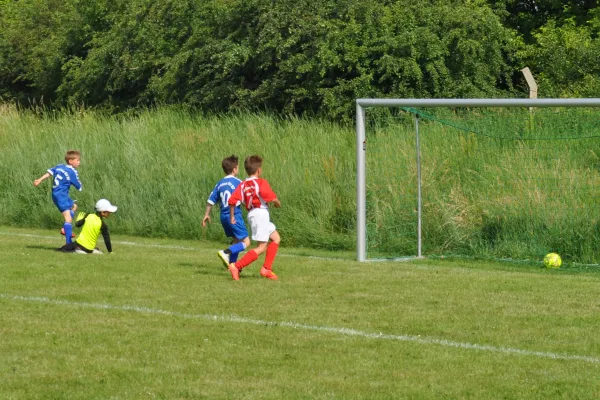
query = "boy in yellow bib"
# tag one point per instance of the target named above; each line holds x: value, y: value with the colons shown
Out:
x: 92, y: 225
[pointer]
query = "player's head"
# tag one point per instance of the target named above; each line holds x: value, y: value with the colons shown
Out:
x: 104, y: 207
x: 229, y: 164
x: 253, y: 164
x: 73, y: 158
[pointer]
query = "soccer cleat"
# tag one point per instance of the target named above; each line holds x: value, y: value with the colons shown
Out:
x: 62, y: 232
x: 224, y: 257
x: 267, y: 273
x: 235, y: 272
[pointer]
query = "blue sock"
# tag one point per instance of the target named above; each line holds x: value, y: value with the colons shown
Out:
x: 68, y: 231
x: 235, y: 249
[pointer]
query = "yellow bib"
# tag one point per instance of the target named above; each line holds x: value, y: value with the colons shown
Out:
x: 90, y: 231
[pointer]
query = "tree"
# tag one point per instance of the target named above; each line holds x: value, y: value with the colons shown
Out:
x: 527, y: 16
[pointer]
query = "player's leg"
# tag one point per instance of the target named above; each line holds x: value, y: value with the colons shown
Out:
x: 240, y: 241
x: 272, y: 247
x: 238, y: 247
x: 262, y: 229
x: 65, y: 206
x: 272, y: 250
x: 230, y: 254
x: 68, y: 225
x: 73, y: 209
x: 254, y: 218
x: 68, y: 248
x: 248, y: 259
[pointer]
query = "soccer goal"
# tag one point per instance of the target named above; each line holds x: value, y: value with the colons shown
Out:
x: 499, y: 178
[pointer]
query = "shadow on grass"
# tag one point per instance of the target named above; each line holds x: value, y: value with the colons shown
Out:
x: 215, y: 270
x: 40, y: 247
x: 204, y: 269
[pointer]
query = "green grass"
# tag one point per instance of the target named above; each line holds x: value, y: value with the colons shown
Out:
x: 161, y: 318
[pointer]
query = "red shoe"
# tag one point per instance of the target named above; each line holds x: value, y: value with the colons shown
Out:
x: 267, y: 273
x: 235, y: 273
x: 62, y: 232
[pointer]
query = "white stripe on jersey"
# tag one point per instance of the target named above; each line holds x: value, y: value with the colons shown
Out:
x: 249, y: 200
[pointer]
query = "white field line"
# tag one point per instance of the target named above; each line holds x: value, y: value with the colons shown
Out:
x: 294, y: 325
x: 162, y: 246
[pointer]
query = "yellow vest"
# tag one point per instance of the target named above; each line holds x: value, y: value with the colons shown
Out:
x: 90, y: 231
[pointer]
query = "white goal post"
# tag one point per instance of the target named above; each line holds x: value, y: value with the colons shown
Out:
x: 361, y: 146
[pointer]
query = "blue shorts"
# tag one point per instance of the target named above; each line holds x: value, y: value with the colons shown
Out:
x: 63, y: 203
x: 237, y: 231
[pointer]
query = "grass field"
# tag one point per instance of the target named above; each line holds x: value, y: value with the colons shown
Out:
x: 163, y: 319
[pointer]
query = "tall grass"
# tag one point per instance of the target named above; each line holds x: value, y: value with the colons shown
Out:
x: 500, y: 183
x: 160, y: 166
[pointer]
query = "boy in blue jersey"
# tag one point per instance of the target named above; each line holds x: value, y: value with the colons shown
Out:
x: 65, y: 176
x: 220, y: 194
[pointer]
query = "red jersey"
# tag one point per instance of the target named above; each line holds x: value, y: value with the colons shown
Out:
x: 253, y: 193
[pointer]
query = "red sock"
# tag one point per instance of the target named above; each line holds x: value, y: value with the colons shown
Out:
x: 248, y: 259
x: 271, y: 253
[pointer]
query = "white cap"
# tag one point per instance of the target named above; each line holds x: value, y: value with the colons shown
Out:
x: 104, y: 205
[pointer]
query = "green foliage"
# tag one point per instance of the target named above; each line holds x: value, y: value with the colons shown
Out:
x: 527, y: 16
x: 565, y: 59
x: 289, y: 56
x: 38, y: 38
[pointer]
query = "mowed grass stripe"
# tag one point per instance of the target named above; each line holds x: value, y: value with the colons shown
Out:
x: 294, y: 325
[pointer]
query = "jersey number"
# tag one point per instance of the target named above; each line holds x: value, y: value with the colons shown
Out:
x: 225, y: 198
x: 57, y: 180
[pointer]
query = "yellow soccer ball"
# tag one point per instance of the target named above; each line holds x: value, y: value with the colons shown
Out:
x: 552, y: 260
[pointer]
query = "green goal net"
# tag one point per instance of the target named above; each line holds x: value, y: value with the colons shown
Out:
x: 495, y: 182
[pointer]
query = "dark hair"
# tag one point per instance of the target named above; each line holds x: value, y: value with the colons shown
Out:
x: 252, y: 164
x: 229, y: 163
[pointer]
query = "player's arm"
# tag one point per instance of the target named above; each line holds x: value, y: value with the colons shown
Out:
x: 41, y: 179
x: 206, y: 218
x: 81, y: 221
x: 269, y: 195
x: 232, y: 214
x: 106, y: 237
x: 276, y: 202
x: 212, y: 199
x: 76, y: 182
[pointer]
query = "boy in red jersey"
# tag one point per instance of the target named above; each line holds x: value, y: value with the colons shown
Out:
x: 255, y: 193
